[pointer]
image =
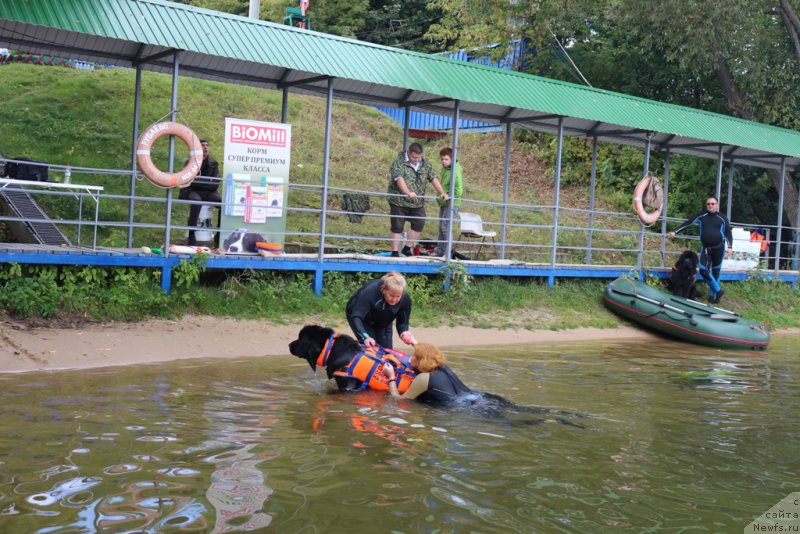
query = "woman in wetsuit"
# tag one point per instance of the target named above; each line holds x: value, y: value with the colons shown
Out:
x: 374, y: 307
x: 436, y: 382
x: 715, y: 233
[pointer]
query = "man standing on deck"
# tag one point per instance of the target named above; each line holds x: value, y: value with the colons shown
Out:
x: 715, y: 234
x: 409, y: 175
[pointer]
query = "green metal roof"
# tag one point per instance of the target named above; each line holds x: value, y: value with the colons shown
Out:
x: 240, y: 50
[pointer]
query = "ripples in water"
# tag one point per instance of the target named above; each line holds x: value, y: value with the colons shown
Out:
x: 670, y: 437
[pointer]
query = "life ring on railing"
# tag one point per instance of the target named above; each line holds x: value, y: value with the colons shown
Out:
x: 145, y: 144
x: 638, y: 207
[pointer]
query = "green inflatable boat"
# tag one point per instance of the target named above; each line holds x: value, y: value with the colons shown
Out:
x: 686, y: 319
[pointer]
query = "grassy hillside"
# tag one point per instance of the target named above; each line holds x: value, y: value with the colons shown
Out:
x: 84, y: 118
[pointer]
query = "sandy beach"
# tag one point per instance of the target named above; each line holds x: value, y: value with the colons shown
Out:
x: 25, y: 348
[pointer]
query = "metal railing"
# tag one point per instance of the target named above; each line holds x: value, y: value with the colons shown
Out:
x: 581, y: 237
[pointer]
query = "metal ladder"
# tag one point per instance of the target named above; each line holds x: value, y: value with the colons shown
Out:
x: 24, y: 206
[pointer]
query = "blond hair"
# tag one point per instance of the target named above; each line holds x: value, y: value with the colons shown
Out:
x: 429, y: 357
x: 393, y: 281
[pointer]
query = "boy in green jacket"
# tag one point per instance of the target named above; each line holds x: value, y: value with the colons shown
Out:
x: 448, y: 209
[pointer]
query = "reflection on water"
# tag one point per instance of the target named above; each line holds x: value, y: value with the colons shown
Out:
x: 676, y: 438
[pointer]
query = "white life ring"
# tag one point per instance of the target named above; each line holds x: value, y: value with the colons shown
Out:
x: 638, y: 207
x: 145, y: 144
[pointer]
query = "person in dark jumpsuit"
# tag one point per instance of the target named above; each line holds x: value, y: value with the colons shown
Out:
x: 204, y: 188
x: 435, y: 383
x: 715, y: 234
x: 374, y: 307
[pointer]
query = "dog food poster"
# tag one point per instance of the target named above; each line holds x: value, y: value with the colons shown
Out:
x: 274, y: 200
x: 236, y: 194
x: 256, y: 171
x: 256, y: 211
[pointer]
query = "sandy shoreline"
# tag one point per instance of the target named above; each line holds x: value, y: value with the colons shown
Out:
x: 100, y: 345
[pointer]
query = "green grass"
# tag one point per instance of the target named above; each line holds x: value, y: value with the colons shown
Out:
x: 70, y: 295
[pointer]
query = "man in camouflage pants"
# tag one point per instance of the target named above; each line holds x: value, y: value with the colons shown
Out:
x: 410, y: 174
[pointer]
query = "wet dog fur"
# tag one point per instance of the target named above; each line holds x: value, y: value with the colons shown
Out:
x: 309, y: 344
x: 682, y: 277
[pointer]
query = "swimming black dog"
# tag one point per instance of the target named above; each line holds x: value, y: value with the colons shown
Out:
x: 682, y: 277
x: 309, y: 344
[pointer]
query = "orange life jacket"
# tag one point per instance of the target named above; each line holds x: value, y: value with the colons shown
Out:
x: 758, y: 236
x: 366, y: 366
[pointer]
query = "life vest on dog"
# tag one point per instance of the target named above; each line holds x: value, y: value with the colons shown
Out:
x: 366, y: 366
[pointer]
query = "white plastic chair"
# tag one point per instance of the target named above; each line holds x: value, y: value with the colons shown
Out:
x: 472, y: 228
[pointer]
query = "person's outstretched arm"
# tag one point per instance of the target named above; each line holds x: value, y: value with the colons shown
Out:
x: 686, y: 224
x: 417, y: 387
x: 404, y: 314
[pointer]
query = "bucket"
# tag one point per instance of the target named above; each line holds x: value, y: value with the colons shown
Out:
x: 204, y: 221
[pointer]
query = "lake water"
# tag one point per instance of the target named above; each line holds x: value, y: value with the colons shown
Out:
x: 675, y: 438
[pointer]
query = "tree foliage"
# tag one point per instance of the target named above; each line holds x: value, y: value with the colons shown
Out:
x: 739, y: 57
x: 403, y: 24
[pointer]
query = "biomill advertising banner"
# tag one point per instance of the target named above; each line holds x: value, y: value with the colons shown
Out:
x: 256, y: 184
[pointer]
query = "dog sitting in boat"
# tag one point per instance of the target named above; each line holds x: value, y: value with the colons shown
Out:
x: 309, y: 346
x: 682, y: 277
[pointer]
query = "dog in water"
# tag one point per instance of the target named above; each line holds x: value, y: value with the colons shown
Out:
x: 340, y: 352
x: 682, y: 277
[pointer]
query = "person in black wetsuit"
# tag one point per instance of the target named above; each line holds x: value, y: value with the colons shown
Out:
x: 374, y: 307
x: 715, y: 234
x: 436, y: 382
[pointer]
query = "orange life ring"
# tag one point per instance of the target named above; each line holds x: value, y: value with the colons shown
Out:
x: 145, y: 144
x: 638, y: 207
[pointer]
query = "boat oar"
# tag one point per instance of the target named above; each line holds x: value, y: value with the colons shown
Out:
x: 688, y: 315
x: 702, y: 307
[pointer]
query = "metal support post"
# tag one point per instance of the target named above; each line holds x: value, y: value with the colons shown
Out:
x: 779, y: 230
x: 640, y: 255
x: 720, y: 161
x: 729, y: 200
x: 136, y: 102
x: 406, y: 121
x: 556, y: 200
x: 285, y: 104
x: 173, y: 116
x: 325, y: 174
x: 506, y: 170
x: 666, y: 208
x: 448, y: 251
x: 592, y: 185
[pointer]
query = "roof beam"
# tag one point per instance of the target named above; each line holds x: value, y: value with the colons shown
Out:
x: 304, y: 81
x: 762, y: 157
x: 154, y: 57
x: 429, y: 101
x: 592, y: 132
x: 533, y: 118
x: 665, y: 143
x: 616, y: 133
x: 285, y: 76
x: 403, y: 102
x: 64, y: 48
x: 696, y: 145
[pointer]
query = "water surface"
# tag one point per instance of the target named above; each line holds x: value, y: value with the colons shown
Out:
x: 675, y: 438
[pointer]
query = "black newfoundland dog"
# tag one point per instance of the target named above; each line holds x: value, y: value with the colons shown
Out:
x: 309, y: 344
x: 682, y: 277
